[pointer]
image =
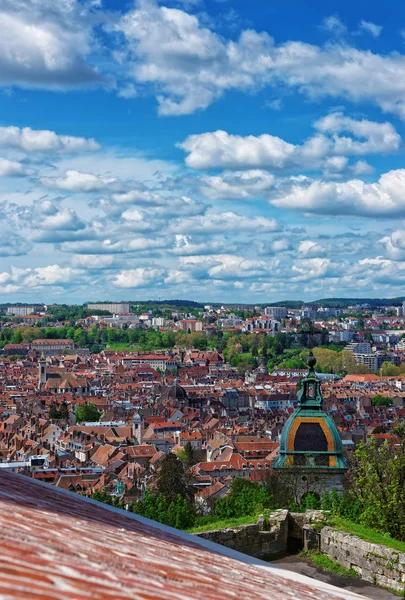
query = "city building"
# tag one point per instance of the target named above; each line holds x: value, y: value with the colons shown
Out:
x: 52, y: 346
x: 23, y: 311
x: 276, y: 312
x: 112, y: 307
x: 190, y: 325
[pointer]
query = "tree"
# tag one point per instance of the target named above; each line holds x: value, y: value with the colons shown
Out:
x: 380, y: 400
x: 246, y: 498
x: 378, y: 485
x: 172, y: 480
x: 389, y: 370
x: 87, y: 412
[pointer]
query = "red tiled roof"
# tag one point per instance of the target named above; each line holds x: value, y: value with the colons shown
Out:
x: 58, y: 545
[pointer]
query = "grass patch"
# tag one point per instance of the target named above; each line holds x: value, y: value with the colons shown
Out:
x: 327, y: 564
x: 121, y: 347
x: 211, y: 524
x: 366, y: 533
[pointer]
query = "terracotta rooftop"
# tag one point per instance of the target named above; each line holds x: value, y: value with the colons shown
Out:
x: 58, y: 545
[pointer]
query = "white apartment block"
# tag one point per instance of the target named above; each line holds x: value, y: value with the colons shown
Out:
x: 23, y: 311
x: 276, y: 312
x: 112, y: 307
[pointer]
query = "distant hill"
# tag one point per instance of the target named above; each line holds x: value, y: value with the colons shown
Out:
x: 327, y: 302
x: 185, y: 303
x: 344, y: 302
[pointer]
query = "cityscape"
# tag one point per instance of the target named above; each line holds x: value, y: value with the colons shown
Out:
x: 202, y: 300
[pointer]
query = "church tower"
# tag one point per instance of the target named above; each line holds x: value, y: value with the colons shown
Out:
x: 137, y: 429
x: 41, y: 371
x: 311, y: 449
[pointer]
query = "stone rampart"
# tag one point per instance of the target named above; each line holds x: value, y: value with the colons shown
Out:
x: 266, y: 539
x: 374, y: 563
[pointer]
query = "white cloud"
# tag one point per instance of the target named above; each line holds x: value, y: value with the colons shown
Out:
x: 362, y: 167
x: 227, y: 221
x: 385, y: 198
x: 315, y: 268
x: 45, y: 44
x: 42, y: 140
x: 395, y: 244
x: 139, y: 278
x: 334, y: 24
x: 223, y: 150
x: 12, y: 168
x: 53, y: 275
x: 188, y: 66
x: 236, y: 185
x: 12, y: 243
x: 92, y: 261
x: 311, y: 248
x: 337, y: 137
x: 187, y: 246
x: 65, y: 219
x: 50, y: 275
x: 370, y: 28
x: 224, y: 266
x: 75, y: 181
x: 375, y: 137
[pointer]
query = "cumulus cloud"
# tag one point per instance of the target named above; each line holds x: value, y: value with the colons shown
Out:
x: 236, y: 185
x: 329, y: 147
x: 370, y: 137
x: 12, y: 168
x: 65, y: 219
x: 43, y: 140
x: 395, y: 244
x: 311, y: 248
x: 92, y: 261
x: 189, y: 66
x: 11, y: 242
x: 139, y: 278
x: 227, y: 221
x: 385, y: 198
x: 46, y: 44
x: 221, y: 149
x: 315, y: 268
x: 185, y: 245
x: 75, y: 181
x: 52, y: 275
x: 224, y: 266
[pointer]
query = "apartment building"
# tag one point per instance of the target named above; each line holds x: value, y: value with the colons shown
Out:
x: 112, y: 307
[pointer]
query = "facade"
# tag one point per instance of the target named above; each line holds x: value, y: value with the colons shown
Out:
x: 276, y: 312
x: 23, y: 311
x: 112, y: 307
x: 190, y: 325
x: 311, y: 450
x: 51, y: 347
x: 359, y: 347
x: 163, y: 363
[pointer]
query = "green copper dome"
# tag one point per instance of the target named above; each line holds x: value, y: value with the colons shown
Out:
x: 310, y: 437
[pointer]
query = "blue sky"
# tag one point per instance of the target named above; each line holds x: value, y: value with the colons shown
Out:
x: 216, y: 150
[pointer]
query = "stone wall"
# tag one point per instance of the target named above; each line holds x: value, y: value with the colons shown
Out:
x: 374, y: 563
x: 266, y: 539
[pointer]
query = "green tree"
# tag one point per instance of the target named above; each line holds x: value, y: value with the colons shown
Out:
x: 87, y: 412
x: 380, y: 400
x: 246, y: 498
x: 389, y: 370
x: 378, y: 486
x: 172, y: 480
